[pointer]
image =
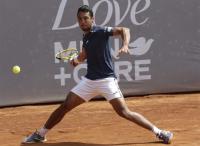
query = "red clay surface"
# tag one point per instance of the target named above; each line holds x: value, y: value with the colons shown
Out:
x: 96, y: 124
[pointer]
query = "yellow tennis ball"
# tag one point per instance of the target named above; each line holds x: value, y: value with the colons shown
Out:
x: 16, y: 69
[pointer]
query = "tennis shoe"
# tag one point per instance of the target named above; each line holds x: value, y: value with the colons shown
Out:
x: 34, y: 138
x: 165, y: 136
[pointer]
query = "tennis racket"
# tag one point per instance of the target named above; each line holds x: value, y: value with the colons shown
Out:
x: 67, y: 54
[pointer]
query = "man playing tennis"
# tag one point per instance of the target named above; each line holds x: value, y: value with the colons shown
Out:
x: 100, y: 78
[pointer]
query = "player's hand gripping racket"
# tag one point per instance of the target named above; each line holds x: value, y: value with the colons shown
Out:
x: 67, y: 54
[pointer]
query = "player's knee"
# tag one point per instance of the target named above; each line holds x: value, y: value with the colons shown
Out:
x: 125, y: 113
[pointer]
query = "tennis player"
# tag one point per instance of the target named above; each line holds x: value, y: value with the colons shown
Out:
x: 100, y: 78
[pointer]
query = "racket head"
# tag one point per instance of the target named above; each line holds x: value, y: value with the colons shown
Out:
x: 67, y: 54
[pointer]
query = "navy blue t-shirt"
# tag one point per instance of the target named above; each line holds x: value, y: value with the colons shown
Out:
x: 99, y: 61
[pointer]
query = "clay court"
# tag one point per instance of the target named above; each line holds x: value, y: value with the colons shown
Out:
x: 96, y: 124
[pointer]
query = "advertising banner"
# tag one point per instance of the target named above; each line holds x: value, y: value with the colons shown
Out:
x: 164, y: 47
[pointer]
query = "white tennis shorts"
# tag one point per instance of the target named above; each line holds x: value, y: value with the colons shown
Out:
x: 107, y: 87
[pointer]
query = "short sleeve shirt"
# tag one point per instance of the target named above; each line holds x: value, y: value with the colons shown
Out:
x: 98, y: 50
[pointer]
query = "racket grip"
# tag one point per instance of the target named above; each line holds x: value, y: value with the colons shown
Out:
x: 58, y: 58
x: 76, y: 60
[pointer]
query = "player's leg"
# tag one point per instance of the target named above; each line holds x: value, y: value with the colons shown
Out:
x: 122, y: 110
x: 72, y: 100
x: 111, y: 91
x: 81, y: 93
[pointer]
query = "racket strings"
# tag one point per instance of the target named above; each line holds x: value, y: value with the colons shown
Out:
x: 68, y: 54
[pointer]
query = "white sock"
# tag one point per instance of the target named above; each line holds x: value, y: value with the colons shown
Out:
x: 43, y: 131
x: 156, y: 130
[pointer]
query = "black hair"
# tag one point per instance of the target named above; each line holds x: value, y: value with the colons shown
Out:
x: 85, y: 8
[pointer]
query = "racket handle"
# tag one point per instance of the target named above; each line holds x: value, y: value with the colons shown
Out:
x: 58, y: 58
x: 76, y: 59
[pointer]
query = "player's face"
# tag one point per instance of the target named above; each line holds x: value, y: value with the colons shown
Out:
x: 85, y: 21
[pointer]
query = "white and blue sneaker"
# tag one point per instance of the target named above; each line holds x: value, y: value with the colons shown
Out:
x: 34, y: 138
x: 165, y: 136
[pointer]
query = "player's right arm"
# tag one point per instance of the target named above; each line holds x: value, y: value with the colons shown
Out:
x: 80, y: 58
x: 125, y: 35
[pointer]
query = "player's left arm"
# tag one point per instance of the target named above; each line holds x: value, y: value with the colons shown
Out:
x: 125, y: 35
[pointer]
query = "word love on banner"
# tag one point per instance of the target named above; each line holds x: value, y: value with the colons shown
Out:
x: 132, y: 10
